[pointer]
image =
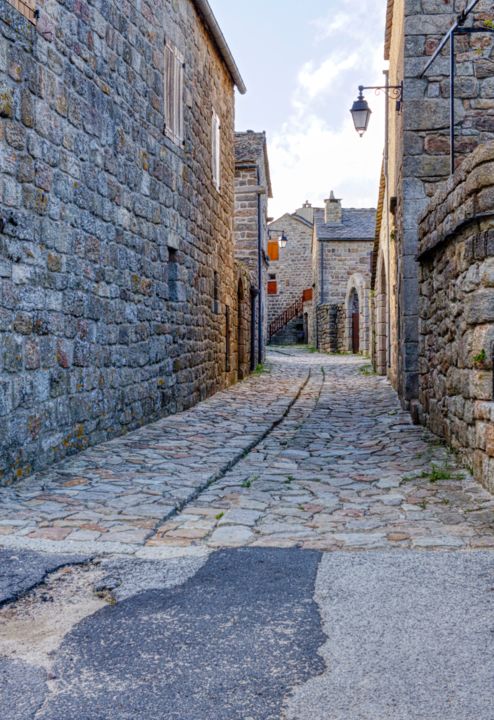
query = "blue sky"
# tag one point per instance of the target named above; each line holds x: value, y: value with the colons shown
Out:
x: 302, y: 63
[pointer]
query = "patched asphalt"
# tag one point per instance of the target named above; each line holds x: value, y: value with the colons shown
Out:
x: 228, y: 644
x: 21, y: 570
x: 410, y: 637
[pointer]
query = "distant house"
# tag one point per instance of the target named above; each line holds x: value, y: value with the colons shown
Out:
x: 341, y: 273
x: 252, y: 191
x: 290, y: 275
x: 119, y: 286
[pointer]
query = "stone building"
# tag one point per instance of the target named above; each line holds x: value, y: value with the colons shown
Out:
x: 119, y: 292
x: 341, y: 273
x: 252, y: 191
x: 433, y: 300
x: 290, y: 275
x: 417, y: 158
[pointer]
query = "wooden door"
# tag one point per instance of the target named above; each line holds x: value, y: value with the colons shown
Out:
x: 355, y: 332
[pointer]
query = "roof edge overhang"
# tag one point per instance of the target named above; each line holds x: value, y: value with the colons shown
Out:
x: 204, y: 9
x: 389, y: 28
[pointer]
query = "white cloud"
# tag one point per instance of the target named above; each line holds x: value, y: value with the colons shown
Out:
x: 317, y: 149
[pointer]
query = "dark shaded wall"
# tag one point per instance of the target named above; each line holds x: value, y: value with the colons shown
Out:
x: 113, y: 233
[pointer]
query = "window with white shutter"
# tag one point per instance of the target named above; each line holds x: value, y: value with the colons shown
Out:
x: 216, y: 150
x: 173, y: 94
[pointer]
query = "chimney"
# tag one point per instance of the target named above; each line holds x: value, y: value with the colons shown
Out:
x: 306, y: 211
x: 332, y: 211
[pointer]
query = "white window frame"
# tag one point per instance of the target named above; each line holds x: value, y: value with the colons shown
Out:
x: 216, y: 149
x: 173, y: 92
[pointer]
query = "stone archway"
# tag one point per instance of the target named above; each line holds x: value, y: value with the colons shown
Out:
x: 357, y: 315
x: 381, y: 317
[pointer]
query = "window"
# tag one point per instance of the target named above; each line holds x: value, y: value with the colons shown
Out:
x: 216, y: 150
x: 272, y: 285
x: 26, y: 8
x: 216, y: 298
x: 173, y: 94
x: 172, y: 275
x: 273, y: 250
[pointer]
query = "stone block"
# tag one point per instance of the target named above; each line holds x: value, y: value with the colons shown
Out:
x: 6, y: 102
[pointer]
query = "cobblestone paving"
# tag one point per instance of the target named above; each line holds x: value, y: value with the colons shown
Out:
x: 334, y: 463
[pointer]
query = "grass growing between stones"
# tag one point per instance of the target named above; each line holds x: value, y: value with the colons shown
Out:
x: 367, y: 370
x: 261, y: 369
x: 248, y: 482
x: 436, y: 473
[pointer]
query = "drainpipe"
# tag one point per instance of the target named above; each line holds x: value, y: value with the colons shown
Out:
x: 388, y: 235
x: 321, y: 276
x: 259, y: 273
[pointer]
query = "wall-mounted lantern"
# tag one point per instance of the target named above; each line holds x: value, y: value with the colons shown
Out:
x: 360, y: 109
x: 282, y: 240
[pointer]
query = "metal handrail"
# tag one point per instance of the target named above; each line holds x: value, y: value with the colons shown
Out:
x: 292, y: 311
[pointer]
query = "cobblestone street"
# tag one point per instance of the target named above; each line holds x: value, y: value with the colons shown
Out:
x: 313, y: 453
x: 268, y: 554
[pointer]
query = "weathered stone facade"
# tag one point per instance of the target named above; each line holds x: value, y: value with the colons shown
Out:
x: 417, y: 158
x: 341, y: 272
x: 118, y: 298
x: 457, y: 313
x: 292, y: 272
x: 252, y: 191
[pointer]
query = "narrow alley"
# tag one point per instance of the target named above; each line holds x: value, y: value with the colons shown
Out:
x: 315, y: 452
x: 179, y: 543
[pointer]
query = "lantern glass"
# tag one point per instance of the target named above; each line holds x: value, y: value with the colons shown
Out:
x: 282, y: 240
x: 361, y: 113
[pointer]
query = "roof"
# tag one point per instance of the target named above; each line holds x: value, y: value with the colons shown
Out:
x: 356, y: 224
x: 291, y: 216
x: 389, y: 28
x: 204, y: 10
x: 251, y: 147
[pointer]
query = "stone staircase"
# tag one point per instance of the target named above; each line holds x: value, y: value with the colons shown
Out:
x: 290, y: 334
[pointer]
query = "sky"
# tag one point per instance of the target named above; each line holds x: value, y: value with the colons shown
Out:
x: 302, y: 63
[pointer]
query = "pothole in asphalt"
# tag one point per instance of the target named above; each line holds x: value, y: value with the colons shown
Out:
x: 33, y: 627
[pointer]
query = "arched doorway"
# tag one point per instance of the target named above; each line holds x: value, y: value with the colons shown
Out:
x: 354, y: 307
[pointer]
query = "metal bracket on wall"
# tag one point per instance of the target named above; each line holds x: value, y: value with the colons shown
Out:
x: 456, y: 29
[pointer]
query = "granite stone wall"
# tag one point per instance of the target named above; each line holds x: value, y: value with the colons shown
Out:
x: 330, y: 322
x: 456, y: 349
x: 116, y: 250
x: 419, y: 138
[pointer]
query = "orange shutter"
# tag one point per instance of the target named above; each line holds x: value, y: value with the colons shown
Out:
x: 307, y: 295
x: 272, y: 287
x: 273, y: 250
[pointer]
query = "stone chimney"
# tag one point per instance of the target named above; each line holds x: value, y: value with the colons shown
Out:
x: 306, y: 211
x: 332, y: 210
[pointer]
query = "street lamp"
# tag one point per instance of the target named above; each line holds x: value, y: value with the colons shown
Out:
x: 282, y: 240
x: 361, y: 111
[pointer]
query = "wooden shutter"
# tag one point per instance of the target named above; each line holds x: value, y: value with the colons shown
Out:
x: 307, y: 295
x: 272, y: 287
x: 216, y: 150
x: 173, y: 94
x: 273, y: 250
x: 26, y: 8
